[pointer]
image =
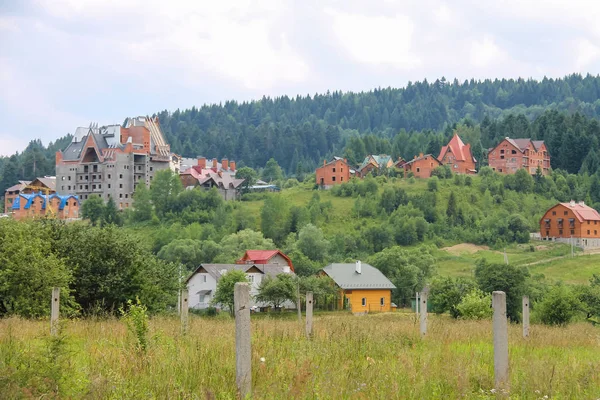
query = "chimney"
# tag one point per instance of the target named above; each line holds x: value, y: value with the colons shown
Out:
x: 420, y: 154
x: 214, y: 163
x: 202, y: 162
x: 224, y: 164
x: 582, y: 203
x: 346, y: 160
x: 358, y: 267
x: 232, y: 165
x: 324, y: 162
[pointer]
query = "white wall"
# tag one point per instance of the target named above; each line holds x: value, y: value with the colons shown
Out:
x: 197, y: 284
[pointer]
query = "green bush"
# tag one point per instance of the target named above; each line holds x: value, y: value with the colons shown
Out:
x: 559, y: 306
x: 136, y: 318
x: 475, y: 305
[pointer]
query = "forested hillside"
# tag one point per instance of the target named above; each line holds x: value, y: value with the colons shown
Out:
x: 299, y: 132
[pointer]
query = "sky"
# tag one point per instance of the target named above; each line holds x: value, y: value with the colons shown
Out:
x: 66, y: 63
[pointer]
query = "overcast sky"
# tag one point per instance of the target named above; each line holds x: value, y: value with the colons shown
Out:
x: 64, y: 63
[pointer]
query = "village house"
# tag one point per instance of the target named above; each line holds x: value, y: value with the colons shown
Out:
x: 512, y: 154
x: 363, y: 288
x: 334, y: 172
x: 572, y: 222
x: 458, y: 156
x: 110, y: 161
x: 46, y: 185
x: 38, y: 205
x: 220, y: 175
x: 202, y: 283
x: 420, y: 167
x: 374, y: 163
x: 265, y: 257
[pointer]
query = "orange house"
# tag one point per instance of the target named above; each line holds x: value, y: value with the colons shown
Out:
x: 334, y: 172
x: 421, y: 166
x: 458, y: 156
x: 363, y: 288
x: 39, y: 205
x: 570, y: 220
x: 513, y: 154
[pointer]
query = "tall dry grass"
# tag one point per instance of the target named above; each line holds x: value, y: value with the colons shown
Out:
x: 371, y: 357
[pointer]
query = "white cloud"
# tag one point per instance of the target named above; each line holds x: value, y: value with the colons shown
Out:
x: 585, y: 53
x: 485, y: 53
x: 376, y: 40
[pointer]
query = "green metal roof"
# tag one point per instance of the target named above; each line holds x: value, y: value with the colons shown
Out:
x: 346, y: 277
x: 381, y: 160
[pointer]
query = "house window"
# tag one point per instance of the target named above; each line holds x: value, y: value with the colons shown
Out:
x: 364, y: 301
x: 150, y: 168
x: 126, y: 196
x: 120, y: 195
x: 572, y: 231
x: 547, y: 223
x: 588, y: 232
x: 64, y: 178
x: 553, y: 212
x: 108, y: 176
x: 342, y: 179
x: 418, y: 169
x: 571, y: 222
x: 595, y: 232
x: 560, y: 232
x: 341, y: 169
x: 120, y: 186
x: 109, y: 185
x: 382, y: 301
x: 202, y: 298
x: 333, y: 169
x: 333, y: 178
x: 588, y: 222
x: 120, y: 176
x: 203, y: 278
x: 250, y: 278
x: 566, y: 213
x: 547, y: 233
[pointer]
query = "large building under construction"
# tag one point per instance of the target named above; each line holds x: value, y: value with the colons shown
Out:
x: 110, y: 161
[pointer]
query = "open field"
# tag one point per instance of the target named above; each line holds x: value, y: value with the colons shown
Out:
x: 371, y: 357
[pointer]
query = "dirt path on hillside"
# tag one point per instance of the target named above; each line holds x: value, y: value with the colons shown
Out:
x: 584, y: 253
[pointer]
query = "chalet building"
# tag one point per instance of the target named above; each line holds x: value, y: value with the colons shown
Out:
x: 334, y: 172
x: 511, y: 155
x: 265, y: 257
x: 202, y: 283
x: 220, y: 175
x: 39, y: 205
x: 110, y: 161
x: 458, y: 156
x: 363, y: 288
x: 572, y: 222
x: 374, y: 163
x: 421, y: 167
x: 45, y: 185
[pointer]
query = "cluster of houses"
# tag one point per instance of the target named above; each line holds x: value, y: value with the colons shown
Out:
x: 361, y: 287
x: 507, y: 157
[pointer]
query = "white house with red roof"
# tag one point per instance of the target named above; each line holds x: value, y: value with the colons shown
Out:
x: 266, y: 257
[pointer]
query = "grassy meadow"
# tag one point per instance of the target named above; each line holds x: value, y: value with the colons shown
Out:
x: 370, y: 357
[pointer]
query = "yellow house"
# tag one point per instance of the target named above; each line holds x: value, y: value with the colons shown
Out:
x: 363, y: 288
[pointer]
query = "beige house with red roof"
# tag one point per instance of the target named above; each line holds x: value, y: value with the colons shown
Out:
x: 572, y: 221
x: 458, y: 156
x: 511, y: 155
x: 266, y: 257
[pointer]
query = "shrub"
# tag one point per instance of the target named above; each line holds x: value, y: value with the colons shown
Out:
x: 559, y: 306
x: 136, y: 318
x: 432, y: 184
x: 475, y: 305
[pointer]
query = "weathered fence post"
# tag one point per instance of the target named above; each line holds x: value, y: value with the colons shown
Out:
x: 55, y: 310
x: 525, y: 316
x: 184, y: 311
x: 309, y: 314
x: 417, y: 305
x: 500, y: 327
x: 423, y: 304
x: 243, y: 353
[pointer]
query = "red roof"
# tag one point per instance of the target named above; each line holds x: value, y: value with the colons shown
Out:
x: 582, y: 212
x: 461, y: 151
x: 263, y: 257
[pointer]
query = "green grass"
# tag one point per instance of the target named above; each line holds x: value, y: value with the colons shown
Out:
x: 371, y: 357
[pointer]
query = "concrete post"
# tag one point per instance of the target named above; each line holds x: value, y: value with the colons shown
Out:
x: 309, y: 314
x: 417, y: 305
x: 500, y: 327
x: 184, y: 311
x: 243, y: 353
x: 525, y: 316
x: 423, y: 304
x: 55, y: 310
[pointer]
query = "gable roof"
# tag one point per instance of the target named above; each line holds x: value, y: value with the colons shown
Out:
x: 225, y: 180
x: 19, y: 186
x: 263, y: 257
x: 346, y: 277
x: 522, y: 144
x: 333, y: 161
x: 421, y: 157
x: 377, y: 160
x: 582, y: 212
x: 48, y: 181
x: 461, y: 151
x: 218, y: 270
